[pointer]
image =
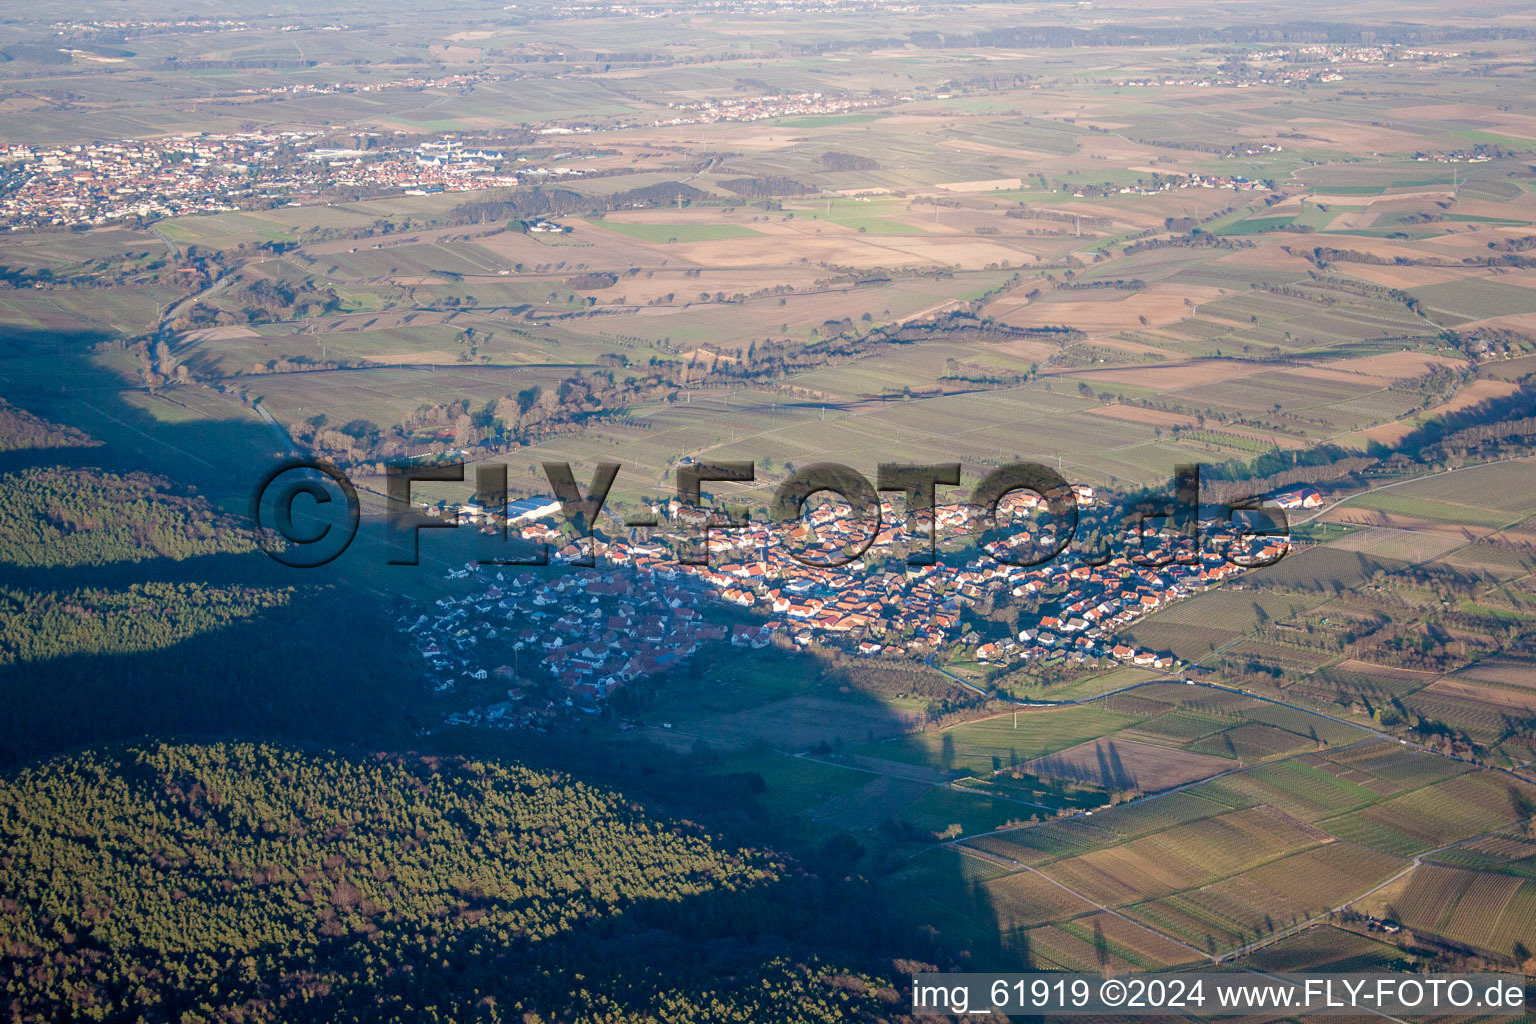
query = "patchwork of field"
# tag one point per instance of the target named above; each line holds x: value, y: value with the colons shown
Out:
x: 1239, y: 860
x: 1024, y: 223
x: 1223, y: 353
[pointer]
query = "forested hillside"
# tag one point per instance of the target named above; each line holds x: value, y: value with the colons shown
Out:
x: 20, y: 429
x: 66, y: 517
x: 233, y: 881
x: 145, y: 617
x: 174, y: 659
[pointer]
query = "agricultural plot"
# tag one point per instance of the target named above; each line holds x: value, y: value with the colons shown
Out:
x: 1294, y: 786
x: 1255, y: 904
x: 666, y: 233
x: 1232, y: 861
x: 1125, y: 940
x: 943, y: 888
x: 996, y: 743
x: 953, y: 812
x: 794, y: 723
x: 1313, y: 727
x: 1325, y: 949
x: 1508, y: 683
x: 1387, y: 768
x: 1252, y: 743
x: 1357, y: 683
x: 1195, y: 854
x: 1496, y: 559
x: 1476, y: 299
x: 1083, y: 689
x: 880, y: 799
x: 1295, y: 660
x: 389, y: 395
x: 1510, y: 853
x: 1068, y: 947
x: 1436, y: 815
x: 1028, y: 898
x: 1490, y: 716
x: 1411, y: 507
x: 795, y: 784
x: 1194, y: 628
x: 1509, y: 487
x: 1125, y: 764
x: 1485, y: 910
x: 1071, y: 836
x: 1177, y: 727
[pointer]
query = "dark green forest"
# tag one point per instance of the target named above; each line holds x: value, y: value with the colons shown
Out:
x: 144, y: 617
x: 20, y: 429
x: 70, y: 517
x: 242, y: 882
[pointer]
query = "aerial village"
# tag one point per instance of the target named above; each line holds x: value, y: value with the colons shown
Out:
x: 99, y: 183
x: 143, y: 180
x: 566, y: 639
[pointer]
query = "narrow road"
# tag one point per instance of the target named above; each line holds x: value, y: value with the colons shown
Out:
x: 281, y: 432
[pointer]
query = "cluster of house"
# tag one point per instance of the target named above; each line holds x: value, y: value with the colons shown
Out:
x: 94, y: 183
x: 98, y: 183
x: 1241, y: 80
x: 593, y: 631
x: 760, y: 108
x: 1340, y: 53
x: 545, y: 644
x: 696, y: 8
x: 342, y: 88
x: 1456, y: 156
x: 138, y: 25
x: 1301, y: 497
x: 1235, y: 182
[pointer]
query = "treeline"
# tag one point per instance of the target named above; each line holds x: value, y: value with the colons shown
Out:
x: 1323, y: 255
x: 835, y: 161
x: 537, y: 202
x: 1132, y: 284
x: 174, y: 63
x: 1340, y: 469
x: 1490, y: 429
x: 198, y: 883
x: 767, y: 187
x: 232, y: 660
x: 145, y: 617
x: 1196, y: 239
x: 1022, y: 212
x: 20, y: 429
x: 262, y: 301
x: 71, y: 517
